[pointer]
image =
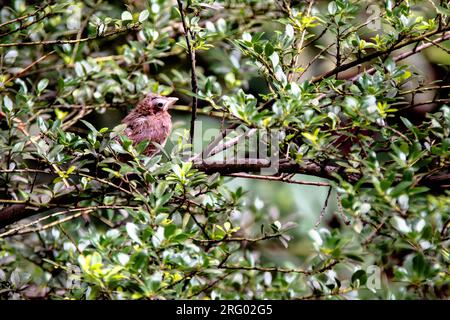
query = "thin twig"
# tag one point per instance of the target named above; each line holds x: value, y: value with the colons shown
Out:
x: 280, y: 270
x: 210, y: 285
x: 238, y: 239
x: 299, y: 46
x: 341, y: 209
x: 21, y: 73
x: 17, y: 230
x: 136, y: 26
x: 80, y: 32
x: 25, y: 26
x: 325, y: 205
x: 191, y: 54
x: 280, y: 179
x: 25, y: 16
x: 375, y: 232
x: 55, y: 223
x: 407, y: 54
x: 377, y: 54
x: 70, y: 238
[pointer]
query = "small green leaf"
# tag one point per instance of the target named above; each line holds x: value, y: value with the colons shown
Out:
x: 169, y: 230
x: 7, y: 104
x: 400, y: 224
x: 268, y: 49
x: 10, y: 56
x: 126, y: 16
x: 247, y: 37
x: 71, y: 169
x: 42, y: 125
x: 332, y: 8
x: 42, y: 85
x: 60, y: 115
x: 143, y: 16
x: 123, y: 258
x: 90, y: 126
x: 275, y: 59
x: 133, y: 231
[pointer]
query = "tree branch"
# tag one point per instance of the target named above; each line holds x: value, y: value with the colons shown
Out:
x: 437, y: 181
x: 325, y: 205
x: 407, y: 54
x: 236, y: 239
x: 281, y: 270
x: 191, y: 54
x: 279, y: 179
x: 136, y: 26
x: 377, y: 54
x: 27, y: 15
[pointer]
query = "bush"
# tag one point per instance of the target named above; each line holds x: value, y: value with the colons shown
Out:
x: 348, y: 92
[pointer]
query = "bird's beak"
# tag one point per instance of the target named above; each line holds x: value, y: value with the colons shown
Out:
x: 170, y: 102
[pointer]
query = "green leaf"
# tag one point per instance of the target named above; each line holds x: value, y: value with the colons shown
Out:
x: 169, y: 230
x: 123, y: 258
x: 332, y: 8
x: 400, y: 224
x: 42, y: 125
x: 275, y: 59
x: 143, y: 16
x: 268, y: 49
x: 42, y: 85
x: 11, y: 56
x: 108, y: 200
x: 289, y: 31
x: 7, y: 104
x: 71, y: 169
x: 398, y: 189
x: 247, y: 37
x: 420, y: 265
x: 354, y: 257
x: 315, y: 236
x: 133, y: 232
x: 126, y: 16
x: 60, y: 115
x: 90, y: 126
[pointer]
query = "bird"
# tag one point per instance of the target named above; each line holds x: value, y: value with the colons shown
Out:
x: 150, y: 120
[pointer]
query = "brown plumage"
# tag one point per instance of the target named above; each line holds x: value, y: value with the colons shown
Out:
x: 150, y: 121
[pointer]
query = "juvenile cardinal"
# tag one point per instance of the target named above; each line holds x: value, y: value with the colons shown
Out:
x: 150, y: 121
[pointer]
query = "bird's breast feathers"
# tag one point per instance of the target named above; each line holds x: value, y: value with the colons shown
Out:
x: 153, y: 127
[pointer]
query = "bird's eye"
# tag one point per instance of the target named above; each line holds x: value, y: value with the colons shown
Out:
x: 160, y: 104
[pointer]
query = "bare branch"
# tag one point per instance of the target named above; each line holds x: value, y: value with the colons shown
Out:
x: 188, y: 34
x: 280, y: 179
x: 134, y: 27
x: 325, y: 205
x: 26, y: 16
x: 236, y: 239
x: 281, y: 270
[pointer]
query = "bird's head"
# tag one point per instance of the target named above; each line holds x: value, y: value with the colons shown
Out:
x: 154, y: 103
